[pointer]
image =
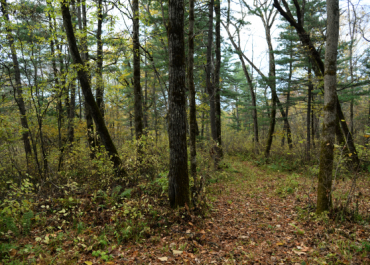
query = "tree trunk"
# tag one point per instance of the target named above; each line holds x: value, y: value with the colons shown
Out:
x: 309, y: 96
x: 272, y: 85
x: 192, y: 104
x: 82, y: 23
x: 138, y: 111
x: 71, y: 112
x: 86, y: 89
x: 324, y: 201
x: 178, y: 187
x: 18, y: 95
x: 99, y: 61
x: 211, y: 88
x: 217, y: 88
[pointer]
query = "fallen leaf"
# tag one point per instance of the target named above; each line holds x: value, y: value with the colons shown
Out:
x: 88, y: 263
x: 177, y: 252
x: 191, y: 224
x: 299, y: 252
x: 12, y: 253
x: 163, y: 259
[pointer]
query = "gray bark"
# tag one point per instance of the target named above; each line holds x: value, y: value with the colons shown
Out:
x: 330, y: 101
x: 178, y: 188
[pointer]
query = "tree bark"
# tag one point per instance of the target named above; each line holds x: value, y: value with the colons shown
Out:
x: 211, y: 87
x: 99, y: 61
x: 309, y: 97
x: 138, y: 111
x: 272, y: 85
x: 192, y: 104
x: 217, y: 88
x: 86, y: 89
x: 178, y: 188
x: 324, y: 201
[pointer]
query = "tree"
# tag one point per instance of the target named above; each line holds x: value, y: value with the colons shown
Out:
x: 236, y: 45
x: 138, y: 111
x: 192, y: 104
x: 18, y: 85
x: 86, y: 89
x: 330, y: 101
x: 318, y: 66
x: 178, y: 187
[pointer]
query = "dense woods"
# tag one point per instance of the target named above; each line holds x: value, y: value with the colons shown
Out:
x: 134, y: 110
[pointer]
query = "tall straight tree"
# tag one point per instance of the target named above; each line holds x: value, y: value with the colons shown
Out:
x: 178, y: 187
x: 138, y: 111
x: 215, y: 151
x: 82, y: 74
x: 18, y: 85
x: 217, y: 87
x: 192, y: 105
x: 330, y: 111
x: 99, y: 60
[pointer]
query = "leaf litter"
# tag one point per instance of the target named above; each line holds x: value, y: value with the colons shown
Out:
x: 249, y: 221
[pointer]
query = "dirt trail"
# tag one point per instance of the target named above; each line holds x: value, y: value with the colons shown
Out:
x: 258, y: 218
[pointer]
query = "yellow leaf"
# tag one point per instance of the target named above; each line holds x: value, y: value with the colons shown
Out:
x: 350, y: 154
x: 88, y: 263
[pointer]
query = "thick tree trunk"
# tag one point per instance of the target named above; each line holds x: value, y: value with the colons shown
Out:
x: 86, y: 89
x: 192, y: 105
x: 138, y: 111
x: 178, y: 187
x: 324, y: 201
x: 18, y: 83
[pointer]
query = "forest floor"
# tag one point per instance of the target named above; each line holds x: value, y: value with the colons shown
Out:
x: 256, y: 216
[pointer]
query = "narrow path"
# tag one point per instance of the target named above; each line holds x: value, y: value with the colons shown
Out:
x: 257, y: 218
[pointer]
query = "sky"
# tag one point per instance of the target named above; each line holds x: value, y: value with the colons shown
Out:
x: 255, y: 35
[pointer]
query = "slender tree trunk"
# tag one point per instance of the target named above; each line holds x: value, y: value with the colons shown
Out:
x: 145, y: 103
x: 272, y: 84
x: 138, y: 111
x: 192, y: 105
x: 211, y: 87
x: 82, y: 23
x: 217, y: 87
x: 309, y: 96
x: 72, y: 111
x: 253, y: 98
x: 18, y: 95
x: 178, y: 186
x: 324, y: 201
x: 86, y: 89
x: 99, y: 61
